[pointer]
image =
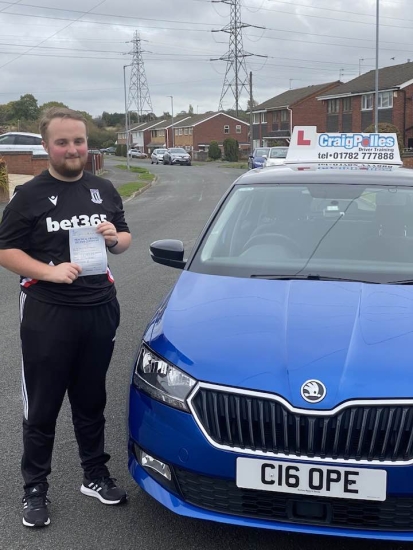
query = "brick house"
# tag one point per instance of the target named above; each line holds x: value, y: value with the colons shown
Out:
x: 137, y: 134
x: 350, y: 106
x: 275, y: 118
x: 196, y: 132
x: 160, y: 133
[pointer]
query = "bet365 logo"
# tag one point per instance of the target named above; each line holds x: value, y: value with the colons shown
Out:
x: 83, y: 220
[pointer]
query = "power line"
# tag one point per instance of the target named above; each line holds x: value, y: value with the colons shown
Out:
x: 54, y: 34
x: 192, y: 23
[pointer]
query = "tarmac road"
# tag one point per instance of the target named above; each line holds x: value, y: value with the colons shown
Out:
x: 176, y: 206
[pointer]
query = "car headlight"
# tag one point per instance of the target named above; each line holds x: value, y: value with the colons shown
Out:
x: 161, y: 380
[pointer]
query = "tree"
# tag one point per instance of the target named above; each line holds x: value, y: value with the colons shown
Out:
x: 231, y: 149
x: 5, y: 113
x: 50, y: 104
x: 25, y: 108
x: 254, y: 104
x: 242, y: 115
x: 214, y: 152
x: 190, y: 110
x: 386, y: 128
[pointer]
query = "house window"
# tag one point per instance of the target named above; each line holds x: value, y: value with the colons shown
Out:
x: 226, y: 129
x: 185, y: 131
x: 256, y: 118
x: 346, y: 104
x: 367, y: 102
x: 176, y: 131
x: 284, y: 115
x: 238, y: 129
x: 263, y: 118
x: 333, y: 106
x: 385, y: 100
x: 190, y: 131
x: 180, y: 131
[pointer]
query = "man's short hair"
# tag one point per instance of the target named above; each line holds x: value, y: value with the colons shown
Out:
x: 58, y: 112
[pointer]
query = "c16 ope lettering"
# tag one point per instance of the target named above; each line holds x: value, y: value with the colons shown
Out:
x: 82, y: 220
x: 318, y: 479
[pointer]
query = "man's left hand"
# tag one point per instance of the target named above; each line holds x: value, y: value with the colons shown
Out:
x: 108, y: 230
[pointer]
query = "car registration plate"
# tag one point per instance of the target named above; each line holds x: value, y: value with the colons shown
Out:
x: 311, y: 479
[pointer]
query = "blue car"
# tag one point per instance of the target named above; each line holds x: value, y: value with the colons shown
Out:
x: 273, y: 387
x: 258, y: 158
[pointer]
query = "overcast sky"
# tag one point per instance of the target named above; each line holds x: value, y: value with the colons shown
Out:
x: 77, y: 55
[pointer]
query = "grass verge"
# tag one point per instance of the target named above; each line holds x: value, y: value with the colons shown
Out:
x: 240, y: 165
x: 144, y: 177
x: 128, y: 189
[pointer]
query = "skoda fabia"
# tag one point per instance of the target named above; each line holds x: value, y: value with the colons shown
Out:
x: 274, y: 386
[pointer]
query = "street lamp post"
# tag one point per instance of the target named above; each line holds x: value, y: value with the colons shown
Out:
x: 126, y: 117
x: 172, y: 114
x: 376, y: 99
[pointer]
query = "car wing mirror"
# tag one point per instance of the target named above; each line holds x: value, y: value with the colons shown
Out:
x: 168, y: 252
x: 265, y: 156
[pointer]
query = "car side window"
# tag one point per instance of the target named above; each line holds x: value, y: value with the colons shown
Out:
x: 26, y: 140
x: 6, y: 140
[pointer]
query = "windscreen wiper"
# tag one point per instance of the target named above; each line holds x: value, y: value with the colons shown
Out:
x: 309, y: 278
x: 402, y: 282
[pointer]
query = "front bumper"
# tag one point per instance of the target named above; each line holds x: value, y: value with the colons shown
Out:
x: 203, y: 484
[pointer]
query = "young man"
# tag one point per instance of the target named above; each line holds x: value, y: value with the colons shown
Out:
x: 68, y: 320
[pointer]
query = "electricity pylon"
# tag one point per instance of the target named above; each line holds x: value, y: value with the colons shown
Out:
x: 139, y: 98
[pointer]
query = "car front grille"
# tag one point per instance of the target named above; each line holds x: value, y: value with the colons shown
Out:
x: 223, y: 496
x: 373, y: 433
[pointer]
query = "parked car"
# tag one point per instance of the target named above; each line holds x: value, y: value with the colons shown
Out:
x: 276, y: 156
x: 109, y: 151
x: 273, y: 385
x: 177, y: 155
x: 137, y: 154
x: 257, y: 159
x: 22, y: 141
x: 157, y: 155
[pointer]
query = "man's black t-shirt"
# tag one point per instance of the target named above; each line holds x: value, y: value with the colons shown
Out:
x: 37, y: 220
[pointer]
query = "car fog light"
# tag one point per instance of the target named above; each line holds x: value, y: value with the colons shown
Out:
x: 148, y: 461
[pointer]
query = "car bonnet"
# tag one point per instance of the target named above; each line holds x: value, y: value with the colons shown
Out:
x: 272, y: 336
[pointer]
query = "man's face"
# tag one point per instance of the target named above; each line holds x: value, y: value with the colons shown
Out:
x: 66, y: 144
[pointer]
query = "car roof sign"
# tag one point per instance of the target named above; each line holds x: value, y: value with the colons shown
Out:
x: 308, y: 146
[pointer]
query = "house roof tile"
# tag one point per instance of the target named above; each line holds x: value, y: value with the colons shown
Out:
x: 389, y: 77
x: 288, y: 98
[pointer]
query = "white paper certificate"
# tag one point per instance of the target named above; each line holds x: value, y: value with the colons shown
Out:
x: 87, y: 249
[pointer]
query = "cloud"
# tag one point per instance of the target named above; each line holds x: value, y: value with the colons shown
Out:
x: 76, y: 55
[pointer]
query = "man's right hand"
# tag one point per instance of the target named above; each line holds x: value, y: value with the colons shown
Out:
x: 63, y: 273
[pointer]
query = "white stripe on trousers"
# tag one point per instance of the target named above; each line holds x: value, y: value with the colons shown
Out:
x: 24, y: 389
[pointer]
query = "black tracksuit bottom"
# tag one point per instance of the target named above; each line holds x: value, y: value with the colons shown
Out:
x: 65, y: 349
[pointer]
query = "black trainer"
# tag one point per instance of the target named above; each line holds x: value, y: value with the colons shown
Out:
x: 105, y: 489
x: 35, y: 512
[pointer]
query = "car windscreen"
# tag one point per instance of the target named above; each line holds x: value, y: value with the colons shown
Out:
x: 261, y: 152
x: 177, y: 151
x: 279, y: 153
x: 328, y: 230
